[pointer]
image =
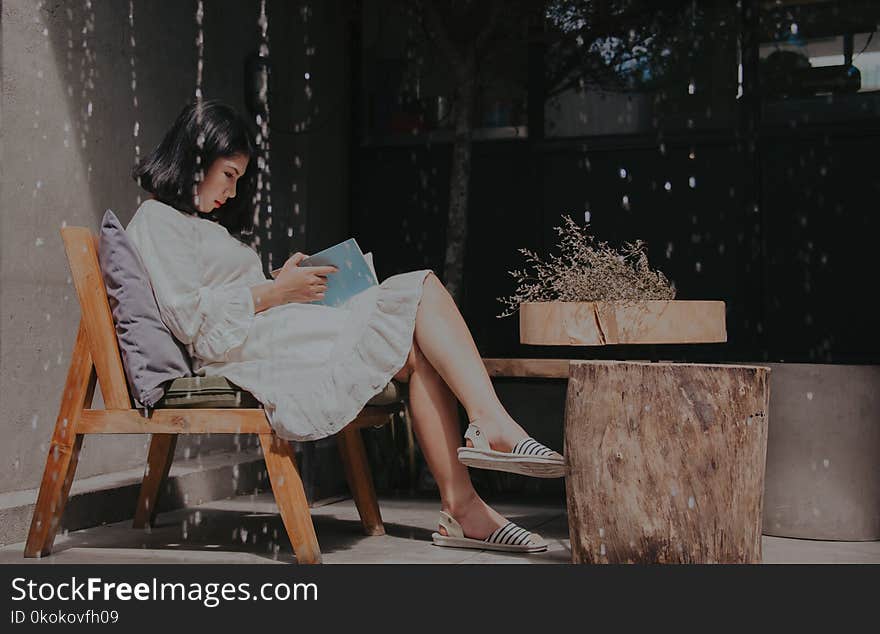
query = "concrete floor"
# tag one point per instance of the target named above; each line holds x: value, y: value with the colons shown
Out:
x: 247, y: 529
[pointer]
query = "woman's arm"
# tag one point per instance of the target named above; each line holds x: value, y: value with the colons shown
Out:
x: 265, y: 296
x: 212, y: 318
x: 293, y: 284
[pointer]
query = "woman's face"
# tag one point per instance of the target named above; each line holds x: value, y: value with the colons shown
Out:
x: 219, y: 182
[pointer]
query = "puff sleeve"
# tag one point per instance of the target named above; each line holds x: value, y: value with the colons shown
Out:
x: 210, y: 319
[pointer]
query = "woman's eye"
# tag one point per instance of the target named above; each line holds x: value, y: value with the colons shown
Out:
x: 228, y: 175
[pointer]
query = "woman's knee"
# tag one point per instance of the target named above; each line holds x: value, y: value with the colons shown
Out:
x: 433, y: 283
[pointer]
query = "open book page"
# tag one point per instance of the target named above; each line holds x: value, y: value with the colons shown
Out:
x: 369, y: 258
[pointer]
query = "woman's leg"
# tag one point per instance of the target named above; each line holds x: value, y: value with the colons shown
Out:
x: 446, y: 342
x: 435, y: 422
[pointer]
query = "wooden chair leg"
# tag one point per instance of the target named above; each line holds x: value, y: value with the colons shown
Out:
x: 291, y: 498
x: 360, y: 480
x: 158, y: 465
x: 79, y: 388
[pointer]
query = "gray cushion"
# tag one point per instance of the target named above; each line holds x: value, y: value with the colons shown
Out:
x: 151, y: 355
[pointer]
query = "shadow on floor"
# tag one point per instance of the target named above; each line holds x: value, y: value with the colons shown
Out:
x: 256, y: 531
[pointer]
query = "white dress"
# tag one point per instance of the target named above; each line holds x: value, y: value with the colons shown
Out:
x: 313, y: 367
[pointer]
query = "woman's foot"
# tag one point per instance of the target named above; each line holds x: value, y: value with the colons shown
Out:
x: 501, y: 432
x: 476, y: 518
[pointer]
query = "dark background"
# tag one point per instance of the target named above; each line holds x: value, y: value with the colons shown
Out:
x: 780, y: 223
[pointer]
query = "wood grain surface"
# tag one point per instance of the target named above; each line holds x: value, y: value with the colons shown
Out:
x: 665, y: 462
x: 607, y: 323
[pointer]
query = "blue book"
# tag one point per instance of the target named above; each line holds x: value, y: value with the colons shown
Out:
x: 355, y: 272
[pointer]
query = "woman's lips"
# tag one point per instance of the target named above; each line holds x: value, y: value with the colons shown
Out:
x: 217, y: 203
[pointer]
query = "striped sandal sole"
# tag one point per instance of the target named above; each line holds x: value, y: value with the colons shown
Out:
x: 501, y: 461
x: 479, y: 544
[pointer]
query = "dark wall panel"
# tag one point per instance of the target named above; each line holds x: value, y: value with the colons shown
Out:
x: 820, y: 202
x: 795, y: 269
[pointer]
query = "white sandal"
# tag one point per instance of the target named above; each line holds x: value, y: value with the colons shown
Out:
x: 528, y: 457
x: 509, y: 538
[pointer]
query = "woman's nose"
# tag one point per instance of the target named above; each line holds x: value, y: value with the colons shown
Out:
x: 231, y: 191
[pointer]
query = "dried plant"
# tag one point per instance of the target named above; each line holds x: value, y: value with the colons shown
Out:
x: 587, y: 270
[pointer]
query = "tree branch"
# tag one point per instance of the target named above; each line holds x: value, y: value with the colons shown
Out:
x: 482, y: 39
x: 431, y: 17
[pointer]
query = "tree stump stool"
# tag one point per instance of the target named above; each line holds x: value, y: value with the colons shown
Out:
x: 666, y: 461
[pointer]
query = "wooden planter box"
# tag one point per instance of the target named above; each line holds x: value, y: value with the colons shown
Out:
x: 606, y: 323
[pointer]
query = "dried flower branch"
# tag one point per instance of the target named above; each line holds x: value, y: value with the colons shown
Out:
x: 587, y: 270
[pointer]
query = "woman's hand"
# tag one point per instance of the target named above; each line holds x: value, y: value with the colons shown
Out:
x: 295, y: 283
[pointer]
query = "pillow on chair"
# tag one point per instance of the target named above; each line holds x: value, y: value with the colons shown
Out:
x: 151, y: 356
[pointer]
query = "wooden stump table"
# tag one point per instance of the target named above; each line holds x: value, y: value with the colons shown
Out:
x: 666, y: 462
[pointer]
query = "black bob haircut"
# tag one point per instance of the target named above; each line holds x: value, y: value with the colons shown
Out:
x: 172, y: 171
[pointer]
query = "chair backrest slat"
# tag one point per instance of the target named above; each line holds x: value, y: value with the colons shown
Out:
x: 79, y: 242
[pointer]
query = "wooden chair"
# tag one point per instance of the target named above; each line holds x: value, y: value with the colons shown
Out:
x: 96, y: 359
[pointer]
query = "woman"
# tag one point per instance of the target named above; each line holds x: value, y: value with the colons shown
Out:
x: 312, y: 366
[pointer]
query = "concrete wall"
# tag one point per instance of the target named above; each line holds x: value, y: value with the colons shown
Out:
x: 68, y: 143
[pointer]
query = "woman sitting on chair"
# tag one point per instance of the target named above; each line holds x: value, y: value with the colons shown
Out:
x: 314, y: 367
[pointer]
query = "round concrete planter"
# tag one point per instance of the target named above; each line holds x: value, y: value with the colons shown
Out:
x: 823, y: 452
